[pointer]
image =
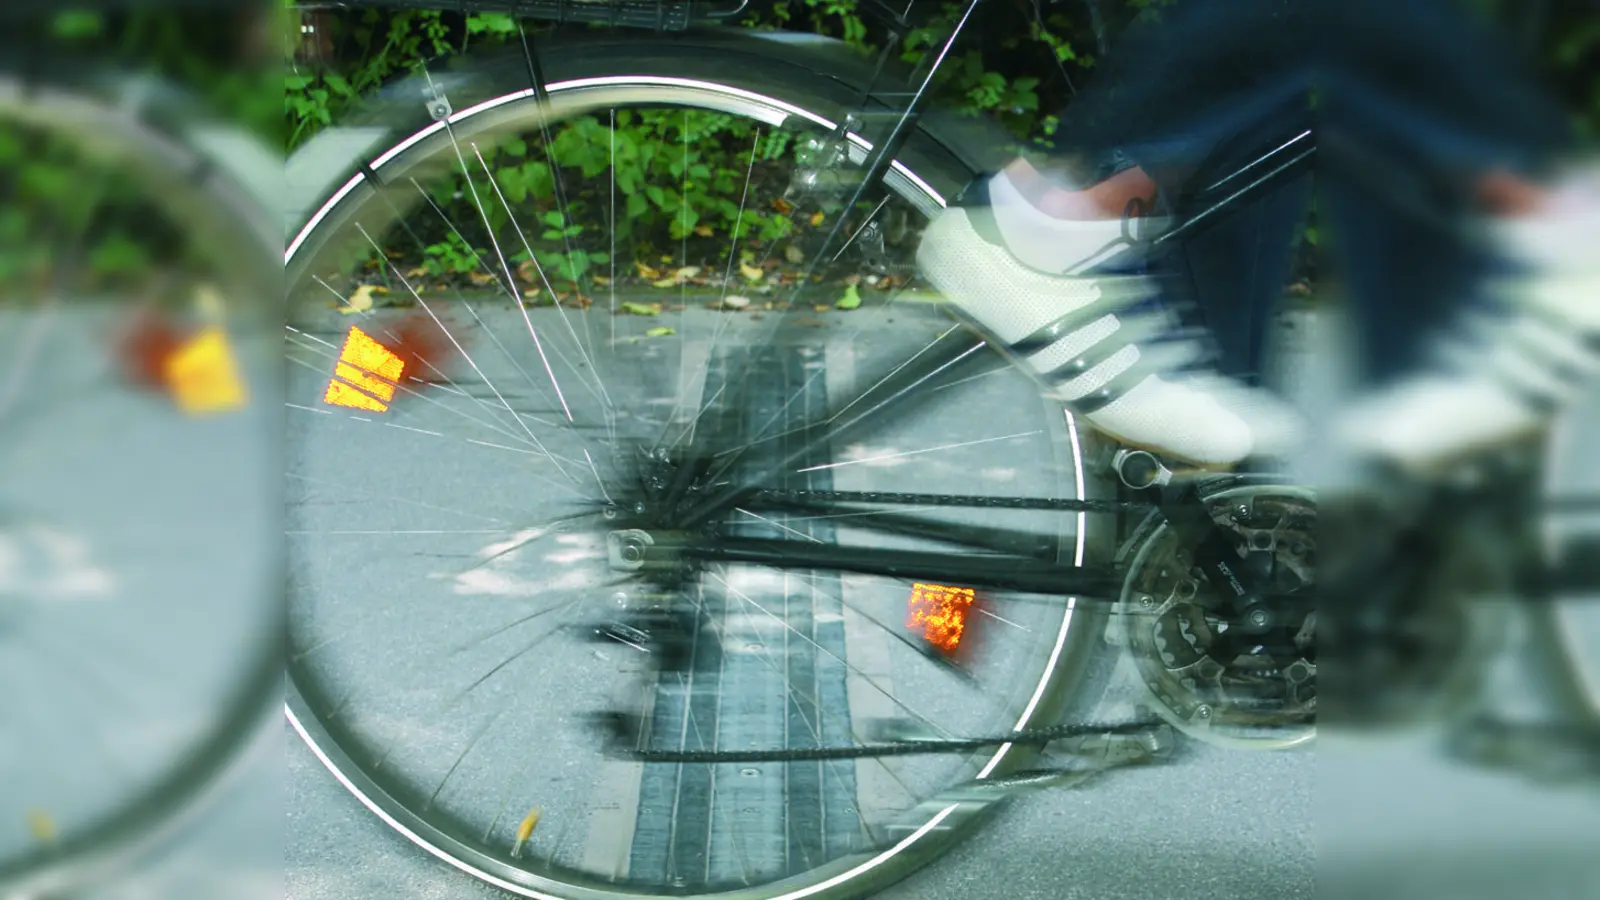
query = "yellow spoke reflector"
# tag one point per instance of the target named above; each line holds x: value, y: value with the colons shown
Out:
x: 203, y: 375
x: 370, y: 372
x: 939, y: 614
x: 525, y: 831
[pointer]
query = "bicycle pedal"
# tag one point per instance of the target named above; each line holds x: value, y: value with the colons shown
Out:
x: 1140, y: 469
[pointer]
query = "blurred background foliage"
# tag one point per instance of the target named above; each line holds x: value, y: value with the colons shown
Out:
x: 69, y: 222
x: 1023, y: 60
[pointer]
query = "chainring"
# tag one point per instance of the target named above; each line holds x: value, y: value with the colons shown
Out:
x: 1206, y: 675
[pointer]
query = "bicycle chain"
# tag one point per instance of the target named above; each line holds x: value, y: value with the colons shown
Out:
x: 1027, y: 737
x: 1095, y: 506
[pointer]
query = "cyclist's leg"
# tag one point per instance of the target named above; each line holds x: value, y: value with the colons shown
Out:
x: 1135, y: 128
x: 1455, y: 111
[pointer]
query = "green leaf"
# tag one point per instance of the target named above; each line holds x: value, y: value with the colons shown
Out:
x: 516, y: 147
x: 656, y: 195
x: 641, y: 309
x: 637, y: 205
x: 660, y: 331
x: 339, y: 85
x: 77, y: 24
x: 850, y: 300
x: 512, y: 182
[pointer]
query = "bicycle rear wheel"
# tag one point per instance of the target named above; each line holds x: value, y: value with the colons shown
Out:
x: 449, y: 539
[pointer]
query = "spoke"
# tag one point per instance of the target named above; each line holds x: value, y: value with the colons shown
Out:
x: 779, y: 525
x: 468, y: 357
x: 488, y: 269
x: 613, y: 284
x: 24, y: 358
x: 860, y: 674
x: 421, y: 396
x: 556, y: 182
x: 397, y: 531
x: 727, y: 279
x: 453, y: 386
x: 686, y: 685
x: 506, y: 352
x: 999, y: 618
x: 462, y: 756
x: 561, y: 311
x: 860, y: 396
x: 396, y: 498
x: 510, y: 284
x: 903, y: 454
x: 767, y: 658
x: 446, y: 706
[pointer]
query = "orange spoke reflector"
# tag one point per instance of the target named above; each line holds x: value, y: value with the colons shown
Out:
x: 203, y: 375
x: 369, y: 371
x: 939, y: 614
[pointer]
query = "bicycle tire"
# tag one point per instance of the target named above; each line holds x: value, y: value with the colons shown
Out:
x: 715, y: 65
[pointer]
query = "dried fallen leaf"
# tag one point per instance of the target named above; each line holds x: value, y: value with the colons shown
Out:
x: 360, y: 301
x: 646, y: 272
x: 642, y: 309
x: 480, y: 278
x: 820, y: 307
x: 601, y: 280
x: 661, y: 331
x: 783, y: 206
x: 816, y: 218
x: 686, y: 272
x: 664, y: 283
x: 703, y: 230
x: 794, y: 254
x: 421, y: 272
x: 734, y: 301
x: 752, y: 273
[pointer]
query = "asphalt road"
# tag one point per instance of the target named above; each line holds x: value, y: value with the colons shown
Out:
x: 1373, y: 818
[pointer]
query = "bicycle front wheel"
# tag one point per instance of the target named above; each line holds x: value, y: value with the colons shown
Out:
x: 455, y: 464
x: 140, y: 615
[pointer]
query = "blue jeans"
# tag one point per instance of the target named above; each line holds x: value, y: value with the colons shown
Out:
x: 1430, y: 97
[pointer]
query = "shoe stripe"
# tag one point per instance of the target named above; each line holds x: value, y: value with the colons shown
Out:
x: 1116, y: 388
x: 1543, y: 396
x: 1114, y: 296
x: 1078, y: 366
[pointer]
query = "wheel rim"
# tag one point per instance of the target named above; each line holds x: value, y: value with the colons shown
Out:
x: 315, y: 713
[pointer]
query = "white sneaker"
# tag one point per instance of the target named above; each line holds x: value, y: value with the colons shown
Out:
x: 1502, y: 376
x: 1115, y: 358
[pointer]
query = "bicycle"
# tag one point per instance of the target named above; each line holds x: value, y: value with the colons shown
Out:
x: 138, y: 593
x: 685, y: 465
